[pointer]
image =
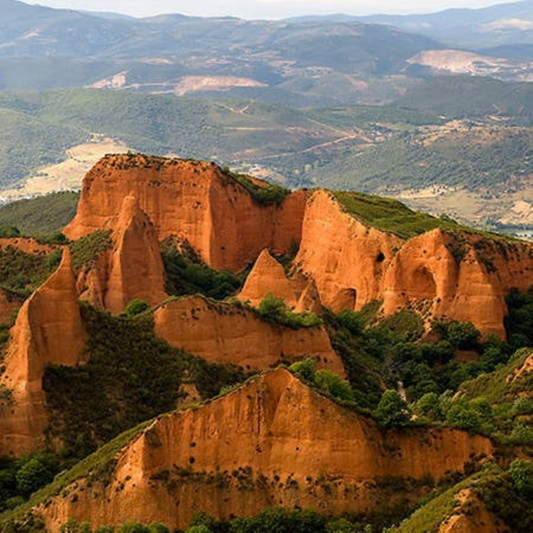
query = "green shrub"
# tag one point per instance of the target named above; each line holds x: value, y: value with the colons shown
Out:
x: 428, y: 406
x: 86, y: 250
x: 186, y: 273
x: 136, y: 307
x: 324, y: 380
x: 392, y: 410
x: 521, y: 472
x: 332, y: 384
x: 9, y: 232
x: 274, y: 309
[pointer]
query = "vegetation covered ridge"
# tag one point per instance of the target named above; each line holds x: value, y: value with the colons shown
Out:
x: 392, y: 216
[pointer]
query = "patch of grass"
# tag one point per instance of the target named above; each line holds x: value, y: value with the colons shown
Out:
x: 428, y: 517
x: 86, y: 249
x: 494, y: 386
x: 389, y: 215
x: 264, y: 194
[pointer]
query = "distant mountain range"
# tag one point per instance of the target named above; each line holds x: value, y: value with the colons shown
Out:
x: 305, y: 61
x: 498, y: 27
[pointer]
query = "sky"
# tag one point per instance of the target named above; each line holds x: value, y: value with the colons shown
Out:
x: 264, y: 9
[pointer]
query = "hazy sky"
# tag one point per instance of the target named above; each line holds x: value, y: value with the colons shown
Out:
x: 264, y: 8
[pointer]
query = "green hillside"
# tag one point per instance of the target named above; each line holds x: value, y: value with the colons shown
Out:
x: 472, y: 97
x: 42, y: 215
x: 477, y: 157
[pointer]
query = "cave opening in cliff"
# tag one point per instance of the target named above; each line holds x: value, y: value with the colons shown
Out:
x: 423, y: 284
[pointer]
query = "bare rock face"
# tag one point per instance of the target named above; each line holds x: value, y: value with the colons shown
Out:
x: 459, y: 276
x: 309, y: 300
x: 448, y: 276
x: 274, y: 441
x: 267, y: 276
x: 227, y: 334
x: 136, y: 269
x: 131, y: 269
x: 48, y: 329
x: 194, y: 201
x: 345, y: 258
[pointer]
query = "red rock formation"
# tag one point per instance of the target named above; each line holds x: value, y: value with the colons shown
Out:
x: 132, y: 268
x: 309, y: 301
x: 227, y: 334
x: 463, y: 277
x: 136, y: 269
x: 273, y: 442
x: 194, y: 201
x: 459, y: 276
x: 48, y: 330
x: 345, y: 258
x: 267, y: 276
x: 465, y: 287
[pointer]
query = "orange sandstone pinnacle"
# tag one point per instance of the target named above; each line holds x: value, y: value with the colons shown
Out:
x: 48, y: 329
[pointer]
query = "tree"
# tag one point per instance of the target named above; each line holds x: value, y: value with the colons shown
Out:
x: 521, y: 472
x: 428, y: 406
x: 332, y: 384
x: 463, y: 415
x: 392, y: 410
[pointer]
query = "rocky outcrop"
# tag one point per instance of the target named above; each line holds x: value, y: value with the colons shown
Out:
x: 267, y: 276
x: 471, y: 516
x: 228, y: 334
x: 131, y: 269
x: 309, y: 300
x: 456, y: 275
x: 136, y: 269
x: 446, y: 275
x: 273, y: 442
x: 193, y: 201
x: 48, y: 329
x: 345, y: 258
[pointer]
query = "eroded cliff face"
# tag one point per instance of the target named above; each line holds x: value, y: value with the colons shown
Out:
x: 131, y: 269
x: 342, y: 262
x: 48, y: 329
x: 345, y: 258
x: 440, y: 274
x: 194, y: 201
x: 455, y: 276
x: 267, y: 276
x: 273, y: 442
x: 228, y: 334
